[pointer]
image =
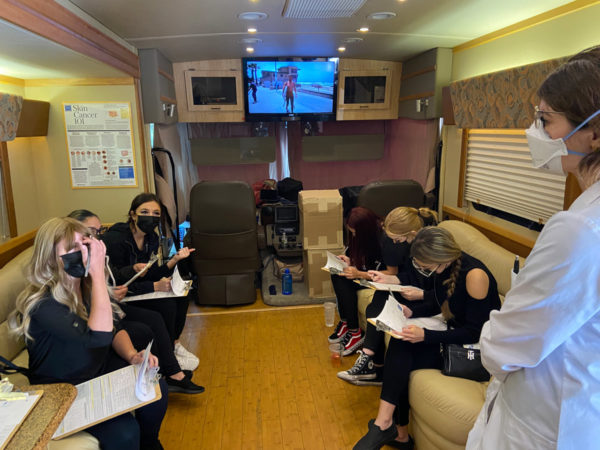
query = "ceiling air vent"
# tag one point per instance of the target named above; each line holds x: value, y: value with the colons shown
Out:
x: 321, y: 9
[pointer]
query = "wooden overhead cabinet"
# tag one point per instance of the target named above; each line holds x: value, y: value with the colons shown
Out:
x: 209, y: 91
x: 368, y: 89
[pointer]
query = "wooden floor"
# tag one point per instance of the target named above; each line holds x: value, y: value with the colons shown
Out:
x: 270, y: 384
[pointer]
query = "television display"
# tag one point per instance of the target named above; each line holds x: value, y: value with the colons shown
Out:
x: 290, y: 88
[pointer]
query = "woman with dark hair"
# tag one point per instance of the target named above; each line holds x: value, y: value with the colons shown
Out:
x: 465, y: 292
x: 364, y: 253
x: 68, y: 323
x: 130, y: 246
x: 145, y: 325
x: 542, y: 347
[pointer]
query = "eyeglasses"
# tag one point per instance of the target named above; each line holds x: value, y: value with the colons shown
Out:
x: 423, y: 271
x: 538, y: 116
x: 97, y: 231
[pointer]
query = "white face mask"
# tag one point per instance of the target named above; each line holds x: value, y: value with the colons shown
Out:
x: 546, y: 152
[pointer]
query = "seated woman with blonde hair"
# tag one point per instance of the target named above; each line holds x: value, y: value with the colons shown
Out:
x: 66, y: 318
x: 465, y: 291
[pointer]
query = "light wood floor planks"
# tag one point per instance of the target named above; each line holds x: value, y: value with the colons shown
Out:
x: 269, y: 385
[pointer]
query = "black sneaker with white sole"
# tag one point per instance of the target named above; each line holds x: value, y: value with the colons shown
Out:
x: 340, y: 330
x: 363, y: 372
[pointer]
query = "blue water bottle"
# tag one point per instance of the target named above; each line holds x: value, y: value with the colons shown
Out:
x: 286, y: 282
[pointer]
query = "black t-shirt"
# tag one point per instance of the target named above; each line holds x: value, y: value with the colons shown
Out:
x: 394, y: 254
x: 63, y: 348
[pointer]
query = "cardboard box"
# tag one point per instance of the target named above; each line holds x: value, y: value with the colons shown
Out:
x: 318, y: 281
x: 321, y: 219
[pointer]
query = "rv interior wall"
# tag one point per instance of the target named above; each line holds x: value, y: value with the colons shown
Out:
x: 42, y: 163
x: 407, y: 154
x: 561, y: 36
x: 535, y: 43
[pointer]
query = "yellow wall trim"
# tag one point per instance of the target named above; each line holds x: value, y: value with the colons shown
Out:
x: 79, y: 82
x: 10, y: 80
x: 527, y: 23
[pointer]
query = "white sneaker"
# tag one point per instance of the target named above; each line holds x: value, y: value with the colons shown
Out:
x: 186, y: 359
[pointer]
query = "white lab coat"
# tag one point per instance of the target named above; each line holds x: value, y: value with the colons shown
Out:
x: 543, y: 346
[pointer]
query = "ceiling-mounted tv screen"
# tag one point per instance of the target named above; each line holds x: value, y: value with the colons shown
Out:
x: 290, y: 88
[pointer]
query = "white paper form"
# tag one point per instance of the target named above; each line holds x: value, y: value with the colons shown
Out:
x: 392, y: 319
x: 105, y: 397
x: 12, y: 413
x: 334, y: 264
x: 179, y: 288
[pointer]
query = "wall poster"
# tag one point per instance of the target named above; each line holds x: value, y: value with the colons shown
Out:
x: 100, y: 144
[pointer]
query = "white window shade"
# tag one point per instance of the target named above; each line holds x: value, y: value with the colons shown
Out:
x: 499, y: 174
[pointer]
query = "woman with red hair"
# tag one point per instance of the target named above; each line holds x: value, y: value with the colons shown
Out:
x: 367, y: 245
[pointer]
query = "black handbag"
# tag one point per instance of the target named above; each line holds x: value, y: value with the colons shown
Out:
x: 463, y: 362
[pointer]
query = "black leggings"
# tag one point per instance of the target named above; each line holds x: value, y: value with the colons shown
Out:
x: 173, y: 311
x: 401, y: 359
x: 347, y: 299
x: 127, y: 432
x: 375, y: 340
x: 143, y: 325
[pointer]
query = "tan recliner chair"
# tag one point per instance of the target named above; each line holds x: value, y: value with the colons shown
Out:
x: 223, y: 232
x: 383, y: 196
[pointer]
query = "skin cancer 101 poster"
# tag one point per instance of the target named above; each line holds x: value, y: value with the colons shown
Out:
x: 100, y: 144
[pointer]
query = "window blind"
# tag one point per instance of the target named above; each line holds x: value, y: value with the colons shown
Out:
x: 499, y: 174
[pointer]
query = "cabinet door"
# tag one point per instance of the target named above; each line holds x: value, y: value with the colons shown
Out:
x: 365, y: 89
x: 213, y: 90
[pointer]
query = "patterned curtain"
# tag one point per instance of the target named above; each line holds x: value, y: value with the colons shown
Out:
x: 10, y: 110
x: 504, y: 99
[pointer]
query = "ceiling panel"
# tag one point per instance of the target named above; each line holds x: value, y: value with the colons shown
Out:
x: 186, y: 30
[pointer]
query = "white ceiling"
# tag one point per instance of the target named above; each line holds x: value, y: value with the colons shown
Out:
x: 187, y: 30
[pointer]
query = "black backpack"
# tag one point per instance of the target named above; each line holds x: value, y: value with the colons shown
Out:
x: 288, y: 188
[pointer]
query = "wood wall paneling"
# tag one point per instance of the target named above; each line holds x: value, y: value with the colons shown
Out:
x: 463, y: 168
x: 447, y: 111
x: 13, y: 247
x: 145, y: 168
x: 7, y: 187
x: 34, y: 119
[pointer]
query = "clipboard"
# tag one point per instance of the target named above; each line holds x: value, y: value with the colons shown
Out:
x: 17, y: 407
x: 384, y: 286
x: 149, y: 264
x: 128, y: 376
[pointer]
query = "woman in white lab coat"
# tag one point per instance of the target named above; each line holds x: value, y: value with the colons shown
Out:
x: 543, y: 346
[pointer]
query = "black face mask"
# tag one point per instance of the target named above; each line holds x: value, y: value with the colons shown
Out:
x: 73, y: 264
x: 147, y: 223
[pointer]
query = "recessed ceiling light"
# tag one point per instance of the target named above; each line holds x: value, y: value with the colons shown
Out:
x: 363, y: 29
x: 250, y: 49
x: 352, y: 40
x: 341, y: 49
x: 252, y: 15
x: 251, y: 41
x: 251, y: 30
x: 381, y: 15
